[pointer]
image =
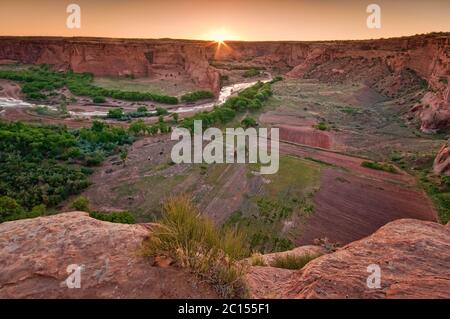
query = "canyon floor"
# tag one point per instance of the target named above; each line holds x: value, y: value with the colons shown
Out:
x: 321, y: 177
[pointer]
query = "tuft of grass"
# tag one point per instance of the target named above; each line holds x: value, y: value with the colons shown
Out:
x: 194, y: 242
x: 292, y: 261
x: 438, y: 188
x: 380, y: 166
x: 350, y: 110
x: 257, y: 260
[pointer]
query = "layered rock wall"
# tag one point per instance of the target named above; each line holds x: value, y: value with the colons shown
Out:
x: 114, y: 57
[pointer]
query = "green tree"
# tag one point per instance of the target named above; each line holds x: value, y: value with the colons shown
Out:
x: 116, y: 113
x: 81, y: 203
x: 175, y: 117
x: 249, y: 122
x: 9, y: 208
x: 99, y: 99
x: 142, y: 109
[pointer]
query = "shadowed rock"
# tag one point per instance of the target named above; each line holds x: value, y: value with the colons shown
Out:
x: 35, y: 253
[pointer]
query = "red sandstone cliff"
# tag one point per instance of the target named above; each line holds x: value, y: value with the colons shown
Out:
x: 115, y: 57
x: 389, y: 65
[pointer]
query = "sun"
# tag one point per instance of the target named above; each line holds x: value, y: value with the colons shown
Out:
x: 219, y: 35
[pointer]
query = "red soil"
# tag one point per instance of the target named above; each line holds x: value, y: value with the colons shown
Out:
x: 347, y: 162
x: 349, y: 207
x: 306, y: 135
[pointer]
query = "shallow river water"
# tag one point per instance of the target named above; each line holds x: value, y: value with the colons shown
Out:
x: 224, y: 94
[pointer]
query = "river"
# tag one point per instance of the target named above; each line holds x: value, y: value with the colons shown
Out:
x: 224, y: 94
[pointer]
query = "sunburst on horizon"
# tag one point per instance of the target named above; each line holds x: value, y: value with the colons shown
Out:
x: 220, y: 35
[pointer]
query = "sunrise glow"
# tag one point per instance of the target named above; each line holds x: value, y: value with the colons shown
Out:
x: 220, y: 35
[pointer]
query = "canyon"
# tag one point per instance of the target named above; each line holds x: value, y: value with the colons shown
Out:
x: 394, y: 67
x: 360, y: 123
x: 386, y: 64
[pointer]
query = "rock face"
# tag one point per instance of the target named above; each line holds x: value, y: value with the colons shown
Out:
x: 389, y: 65
x: 441, y: 164
x: 35, y: 254
x: 393, y: 66
x: 413, y: 257
x: 115, y: 57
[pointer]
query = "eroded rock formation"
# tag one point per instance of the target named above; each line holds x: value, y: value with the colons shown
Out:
x: 115, y: 57
x: 412, y: 255
x: 394, y: 67
x: 35, y: 254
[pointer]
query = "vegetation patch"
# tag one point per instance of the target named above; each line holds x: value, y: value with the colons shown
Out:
x: 287, y: 200
x: 120, y: 115
x: 250, y: 99
x: 39, y: 82
x: 438, y: 188
x: 257, y: 260
x: 350, y: 110
x: 251, y: 73
x: 380, y: 166
x: 196, y: 96
x: 249, y: 122
x: 195, y: 243
x: 47, y: 164
x: 114, y: 217
x: 290, y: 261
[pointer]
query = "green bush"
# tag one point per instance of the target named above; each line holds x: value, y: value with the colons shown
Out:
x: 99, y: 99
x: 251, y: 73
x: 249, y: 122
x: 81, y: 203
x: 142, y: 109
x: 114, y: 217
x: 9, y: 208
x: 379, y: 166
x: 116, y: 113
x: 161, y: 111
x: 322, y: 126
x: 276, y: 79
x: 197, y: 95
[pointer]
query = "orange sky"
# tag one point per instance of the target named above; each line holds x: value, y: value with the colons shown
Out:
x: 241, y: 19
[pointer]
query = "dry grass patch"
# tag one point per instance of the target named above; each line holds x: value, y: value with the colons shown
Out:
x: 194, y: 242
x: 292, y: 261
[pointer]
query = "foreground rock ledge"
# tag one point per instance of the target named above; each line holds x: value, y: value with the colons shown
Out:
x: 35, y: 253
x: 414, y: 257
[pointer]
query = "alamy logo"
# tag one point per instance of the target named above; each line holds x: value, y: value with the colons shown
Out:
x: 237, y: 146
x: 74, y: 19
x: 374, y: 19
x: 74, y: 279
x: 374, y: 279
